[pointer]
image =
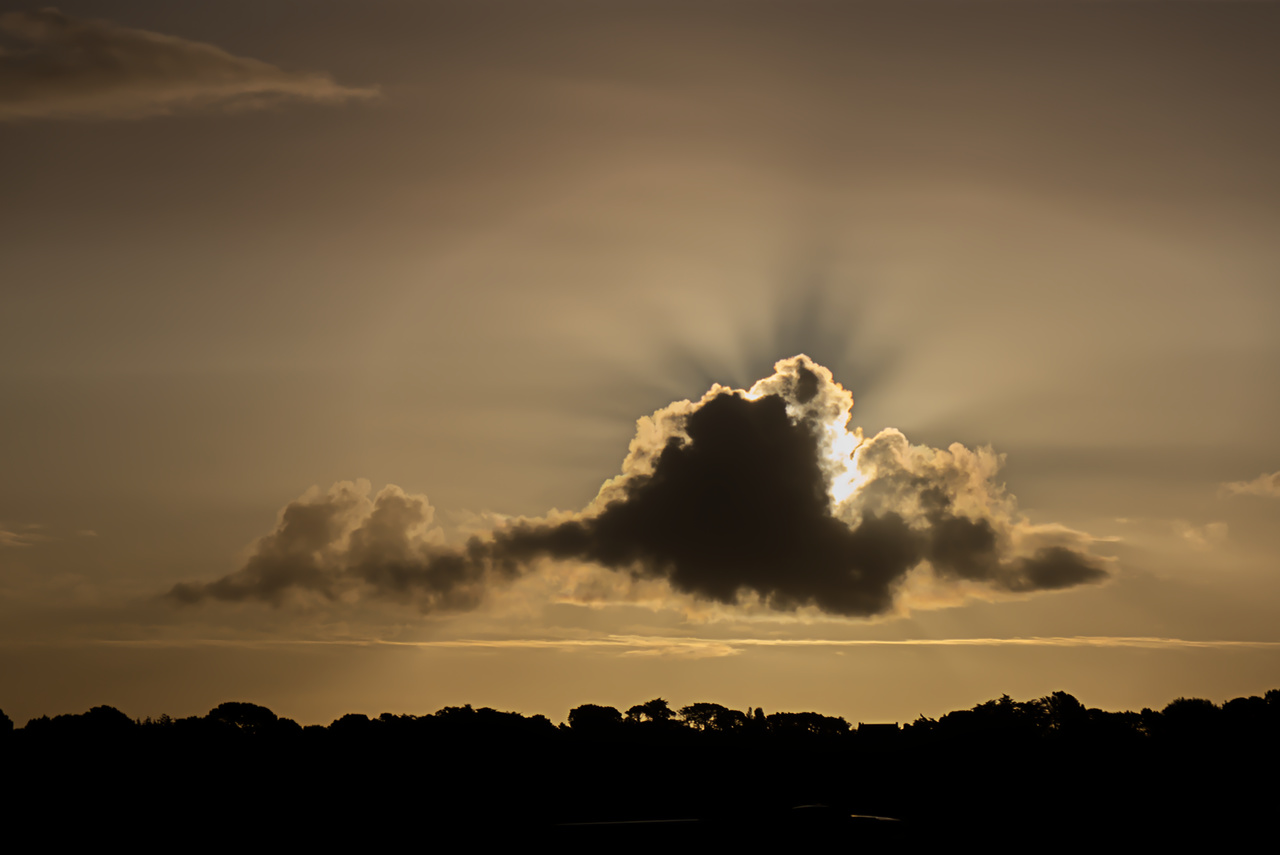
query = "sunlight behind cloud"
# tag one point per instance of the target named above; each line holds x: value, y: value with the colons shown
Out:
x: 750, y: 500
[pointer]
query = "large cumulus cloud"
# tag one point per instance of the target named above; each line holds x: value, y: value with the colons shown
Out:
x: 759, y: 496
x: 56, y: 66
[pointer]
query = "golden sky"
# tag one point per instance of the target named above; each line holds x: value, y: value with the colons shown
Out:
x: 253, y: 250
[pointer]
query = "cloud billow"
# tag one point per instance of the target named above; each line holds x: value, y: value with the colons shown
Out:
x: 333, y: 544
x: 747, y: 497
x: 53, y: 66
x: 1266, y: 485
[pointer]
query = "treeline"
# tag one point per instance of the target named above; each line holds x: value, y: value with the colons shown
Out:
x: 1002, y: 767
x: 1055, y: 716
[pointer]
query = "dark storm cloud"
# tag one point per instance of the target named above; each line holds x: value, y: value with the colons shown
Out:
x: 743, y: 496
x: 55, y: 66
x: 741, y: 506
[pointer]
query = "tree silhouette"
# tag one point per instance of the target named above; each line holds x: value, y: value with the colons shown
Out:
x: 1065, y: 713
x: 352, y: 725
x: 593, y: 718
x: 702, y: 716
x: 811, y: 723
x: 243, y: 716
x: 1193, y: 718
x: 1246, y: 716
x: 656, y: 710
x: 105, y: 722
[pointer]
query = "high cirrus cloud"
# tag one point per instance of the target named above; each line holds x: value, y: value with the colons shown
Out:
x: 56, y: 66
x: 758, y: 496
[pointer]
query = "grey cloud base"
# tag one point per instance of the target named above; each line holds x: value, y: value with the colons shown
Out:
x: 745, y: 495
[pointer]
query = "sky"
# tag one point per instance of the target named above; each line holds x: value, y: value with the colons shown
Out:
x: 383, y: 356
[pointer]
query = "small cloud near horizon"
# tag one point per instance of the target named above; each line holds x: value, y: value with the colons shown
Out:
x: 1264, y: 485
x: 53, y: 66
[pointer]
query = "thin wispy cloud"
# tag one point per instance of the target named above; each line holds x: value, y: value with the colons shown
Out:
x: 22, y: 534
x: 730, y: 646
x: 692, y: 646
x: 53, y: 66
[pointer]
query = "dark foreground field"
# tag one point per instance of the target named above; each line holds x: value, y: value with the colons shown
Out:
x: 1006, y: 774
